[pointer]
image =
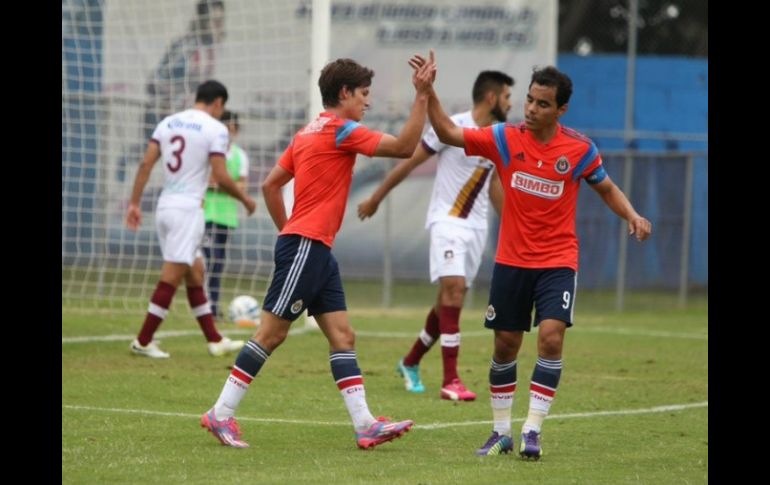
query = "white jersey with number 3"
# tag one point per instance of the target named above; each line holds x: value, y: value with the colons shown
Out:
x: 186, y: 141
x: 461, y: 190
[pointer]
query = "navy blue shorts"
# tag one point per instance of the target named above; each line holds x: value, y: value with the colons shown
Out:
x: 306, y: 276
x: 514, y: 291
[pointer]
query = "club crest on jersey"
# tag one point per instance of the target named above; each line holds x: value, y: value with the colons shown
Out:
x: 548, y: 189
x: 490, y: 313
x: 562, y: 165
x: 449, y: 254
x: 296, y: 306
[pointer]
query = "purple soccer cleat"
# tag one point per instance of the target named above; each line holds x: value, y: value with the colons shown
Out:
x: 382, y: 431
x: 226, y: 431
x: 497, y: 444
x: 530, y: 445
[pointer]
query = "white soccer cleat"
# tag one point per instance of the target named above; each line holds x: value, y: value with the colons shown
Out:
x: 150, y: 350
x: 224, y: 346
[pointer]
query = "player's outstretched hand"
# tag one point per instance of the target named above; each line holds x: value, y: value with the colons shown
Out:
x: 417, y: 61
x: 641, y: 227
x: 424, y: 71
x: 367, y: 208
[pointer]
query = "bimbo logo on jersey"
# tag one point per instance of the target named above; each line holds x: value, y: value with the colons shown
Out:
x: 548, y: 189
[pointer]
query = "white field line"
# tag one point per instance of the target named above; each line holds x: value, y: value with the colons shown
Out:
x: 366, y: 333
x: 163, y: 334
x: 620, y: 412
x: 650, y: 333
x: 606, y: 330
x: 304, y: 422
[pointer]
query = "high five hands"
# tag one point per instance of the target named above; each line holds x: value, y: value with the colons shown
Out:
x: 424, y: 71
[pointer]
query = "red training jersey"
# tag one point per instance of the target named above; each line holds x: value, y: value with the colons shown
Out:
x: 540, y: 182
x: 321, y: 157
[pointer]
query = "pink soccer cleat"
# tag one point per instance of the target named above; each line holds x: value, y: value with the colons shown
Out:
x: 456, y: 391
x: 382, y: 431
x: 226, y: 431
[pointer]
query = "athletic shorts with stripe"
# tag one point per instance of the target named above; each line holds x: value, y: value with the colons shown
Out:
x: 306, y: 276
x: 514, y: 291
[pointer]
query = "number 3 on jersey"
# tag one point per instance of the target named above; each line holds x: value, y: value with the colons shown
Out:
x: 177, y: 153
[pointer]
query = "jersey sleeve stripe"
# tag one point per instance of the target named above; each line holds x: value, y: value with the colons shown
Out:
x: 587, y: 158
x: 213, y: 154
x: 597, y: 175
x: 344, y: 131
x: 154, y: 140
x: 502, y: 144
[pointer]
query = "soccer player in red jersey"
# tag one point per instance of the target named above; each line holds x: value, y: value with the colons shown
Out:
x: 541, y: 164
x: 320, y: 159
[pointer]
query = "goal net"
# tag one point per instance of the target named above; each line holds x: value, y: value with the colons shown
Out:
x: 125, y: 65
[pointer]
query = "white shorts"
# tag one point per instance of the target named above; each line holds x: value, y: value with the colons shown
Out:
x: 455, y: 251
x: 181, y: 233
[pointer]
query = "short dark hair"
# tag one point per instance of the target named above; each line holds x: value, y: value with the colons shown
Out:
x: 209, y: 91
x: 340, y: 73
x: 230, y: 117
x: 488, y: 81
x: 550, y: 76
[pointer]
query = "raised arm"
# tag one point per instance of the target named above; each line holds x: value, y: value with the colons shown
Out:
x: 271, y: 190
x: 446, y: 130
x: 134, y: 211
x: 620, y: 205
x: 403, y: 146
x: 368, y: 207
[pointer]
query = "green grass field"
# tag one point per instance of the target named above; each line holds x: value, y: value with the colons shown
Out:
x: 632, y: 405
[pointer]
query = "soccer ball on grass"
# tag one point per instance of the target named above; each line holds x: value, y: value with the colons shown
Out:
x: 244, y: 311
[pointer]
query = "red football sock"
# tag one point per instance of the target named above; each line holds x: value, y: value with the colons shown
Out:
x: 200, y: 307
x: 425, y: 341
x: 159, y: 303
x: 449, y: 324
